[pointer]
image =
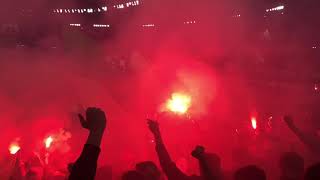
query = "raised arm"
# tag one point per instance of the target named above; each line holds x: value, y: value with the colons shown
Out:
x: 310, y: 141
x: 199, y: 153
x: 210, y: 165
x: 86, y: 165
x: 167, y: 165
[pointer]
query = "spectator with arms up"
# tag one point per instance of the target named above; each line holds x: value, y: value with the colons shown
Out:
x: 168, y: 166
x: 86, y: 165
x: 209, y: 163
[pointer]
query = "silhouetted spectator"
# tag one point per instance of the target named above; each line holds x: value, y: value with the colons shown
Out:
x: 210, y: 164
x: 168, y: 166
x: 250, y: 172
x: 149, y: 170
x: 313, y: 172
x: 292, y: 166
x: 86, y: 165
x: 133, y: 175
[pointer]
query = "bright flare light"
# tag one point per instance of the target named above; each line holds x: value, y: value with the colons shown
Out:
x: 48, y: 142
x: 179, y: 103
x: 254, y: 123
x: 14, y: 148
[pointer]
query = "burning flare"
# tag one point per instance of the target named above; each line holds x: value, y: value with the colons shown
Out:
x: 14, y: 148
x: 48, y: 141
x: 179, y: 103
x: 254, y: 123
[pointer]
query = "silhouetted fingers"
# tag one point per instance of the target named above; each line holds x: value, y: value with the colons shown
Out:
x: 83, y: 122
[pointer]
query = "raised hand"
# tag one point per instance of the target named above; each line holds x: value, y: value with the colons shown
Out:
x: 95, y: 120
x: 198, y: 152
x: 154, y: 127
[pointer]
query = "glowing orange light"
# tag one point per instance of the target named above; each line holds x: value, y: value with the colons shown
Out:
x: 179, y: 103
x: 14, y: 148
x: 48, y: 141
x: 254, y: 123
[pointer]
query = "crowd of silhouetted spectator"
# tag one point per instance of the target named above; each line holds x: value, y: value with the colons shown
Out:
x: 291, y: 164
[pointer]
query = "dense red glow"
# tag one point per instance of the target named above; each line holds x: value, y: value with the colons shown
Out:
x: 254, y: 123
x: 14, y: 148
x: 179, y: 103
x: 199, y: 76
x: 48, y: 141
